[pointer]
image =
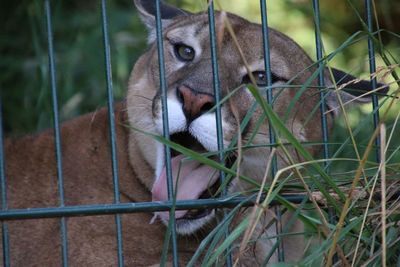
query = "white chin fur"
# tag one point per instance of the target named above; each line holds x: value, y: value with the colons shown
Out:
x: 188, y: 227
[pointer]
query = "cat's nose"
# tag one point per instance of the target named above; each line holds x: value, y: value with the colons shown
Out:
x: 194, y: 103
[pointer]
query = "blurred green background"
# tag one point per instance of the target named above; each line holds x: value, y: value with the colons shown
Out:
x: 24, y: 75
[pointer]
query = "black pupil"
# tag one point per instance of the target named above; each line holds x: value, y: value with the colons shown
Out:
x: 186, y: 52
x: 261, y: 78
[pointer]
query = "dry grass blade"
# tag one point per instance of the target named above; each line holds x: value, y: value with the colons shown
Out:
x: 239, y: 134
x: 349, y: 198
x: 324, y: 226
x: 254, y: 217
x: 346, y: 120
x: 383, y: 193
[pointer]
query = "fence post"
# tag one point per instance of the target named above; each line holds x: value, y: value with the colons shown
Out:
x: 3, y: 184
x: 111, y: 119
x: 322, y: 95
x: 272, y: 138
x: 217, y: 96
x: 57, y: 138
x: 372, y: 70
x: 167, y: 150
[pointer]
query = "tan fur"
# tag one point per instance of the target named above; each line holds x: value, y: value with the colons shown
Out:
x: 32, y: 183
x: 30, y: 161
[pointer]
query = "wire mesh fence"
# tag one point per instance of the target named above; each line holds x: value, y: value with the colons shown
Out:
x: 223, y: 201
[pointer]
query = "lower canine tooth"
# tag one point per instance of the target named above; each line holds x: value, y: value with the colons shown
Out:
x: 153, y: 219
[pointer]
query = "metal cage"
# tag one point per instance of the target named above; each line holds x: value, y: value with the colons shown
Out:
x: 63, y: 211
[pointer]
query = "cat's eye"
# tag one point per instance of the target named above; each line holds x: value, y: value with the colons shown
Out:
x: 260, y: 78
x: 184, y: 52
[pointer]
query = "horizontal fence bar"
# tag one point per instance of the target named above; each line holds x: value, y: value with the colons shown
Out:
x: 109, y: 209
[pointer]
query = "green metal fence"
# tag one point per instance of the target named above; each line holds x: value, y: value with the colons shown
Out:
x: 63, y: 211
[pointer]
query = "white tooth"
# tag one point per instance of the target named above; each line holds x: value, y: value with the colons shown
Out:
x: 159, y: 160
x: 154, y: 218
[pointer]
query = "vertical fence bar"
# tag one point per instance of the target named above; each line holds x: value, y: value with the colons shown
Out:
x: 321, y: 80
x: 272, y: 139
x: 217, y: 96
x: 57, y: 138
x: 322, y: 94
x: 114, y: 160
x: 3, y: 184
x: 372, y: 70
x: 167, y: 150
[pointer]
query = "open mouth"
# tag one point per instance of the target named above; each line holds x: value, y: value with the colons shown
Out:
x: 192, y: 180
x: 187, y: 140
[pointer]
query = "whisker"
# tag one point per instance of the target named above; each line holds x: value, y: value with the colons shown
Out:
x: 141, y: 106
x: 144, y: 97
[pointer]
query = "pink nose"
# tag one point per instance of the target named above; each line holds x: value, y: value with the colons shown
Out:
x: 194, y: 103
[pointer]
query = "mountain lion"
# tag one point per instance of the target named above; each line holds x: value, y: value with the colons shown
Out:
x: 30, y: 162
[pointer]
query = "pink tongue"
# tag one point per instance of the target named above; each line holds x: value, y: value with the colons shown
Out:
x: 192, y: 178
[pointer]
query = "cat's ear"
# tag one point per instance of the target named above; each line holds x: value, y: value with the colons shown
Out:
x: 147, y: 12
x: 352, y: 90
